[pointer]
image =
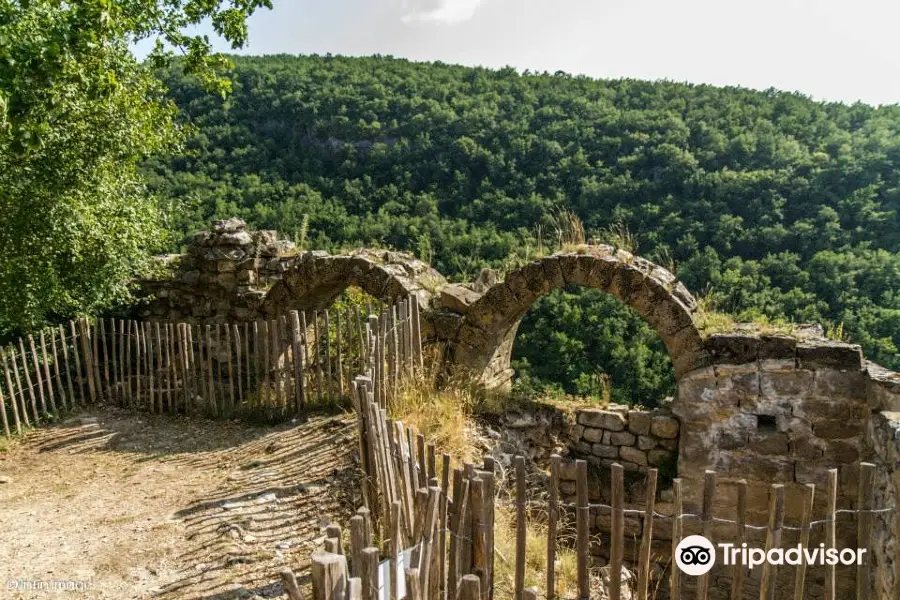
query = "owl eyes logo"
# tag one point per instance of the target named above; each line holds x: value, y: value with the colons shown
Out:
x: 695, y: 555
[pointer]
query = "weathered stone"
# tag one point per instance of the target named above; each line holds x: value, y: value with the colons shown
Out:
x: 567, y: 470
x: 584, y: 448
x: 633, y: 525
x: 777, y: 347
x: 664, y: 427
x: 239, y: 238
x: 604, y: 451
x: 734, y: 348
x: 830, y: 355
x: 621, y: 438
x: 227, y: 281
x: 457, y: 298
x: 837, y: 429
x: 776, y: 443
x: 639, y: 422
x: 807, y: 448
x: 730, y: 439
x: 576, y: 432
x: 638, y: 457
x: 646, y: 442
x: 595, y: 417
x: 190, y: 277
x: 592, y: 435
x: 668, y: 444
x: 841, y: 452
x: 226, y: 266
x: 246, y: 277
x: 228, y: 225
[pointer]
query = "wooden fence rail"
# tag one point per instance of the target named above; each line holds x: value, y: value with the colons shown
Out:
x: 276, y: 367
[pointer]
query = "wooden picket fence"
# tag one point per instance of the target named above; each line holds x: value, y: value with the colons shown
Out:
x: 277, y: 367
x: 450, y: 531
x: 443, y: 536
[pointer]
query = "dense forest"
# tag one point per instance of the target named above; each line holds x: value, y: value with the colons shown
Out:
x: 769, y: 204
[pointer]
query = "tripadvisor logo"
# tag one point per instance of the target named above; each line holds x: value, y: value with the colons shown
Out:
x: 696, y: 555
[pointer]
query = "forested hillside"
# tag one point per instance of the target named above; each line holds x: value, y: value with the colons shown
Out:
x: 770, y: 204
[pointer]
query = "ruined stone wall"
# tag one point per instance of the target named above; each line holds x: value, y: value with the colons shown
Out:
x: 223, y: 277
x: 775, y: 409
x: 761, y: 408
x: 635, y: 438
x: 771, y: 409
x: 884, y: 435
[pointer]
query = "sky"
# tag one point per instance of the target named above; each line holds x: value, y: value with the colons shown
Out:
x: 834, y: 50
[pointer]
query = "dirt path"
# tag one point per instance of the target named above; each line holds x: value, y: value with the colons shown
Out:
x: 119, y: 505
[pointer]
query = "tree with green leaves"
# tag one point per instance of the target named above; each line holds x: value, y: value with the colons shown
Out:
x: 78, y: 112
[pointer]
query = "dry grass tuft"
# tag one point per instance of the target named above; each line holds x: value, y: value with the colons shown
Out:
x: 535, y: 558
x: 442, y: 415
x: 619, y: 237
x: 568, y: 228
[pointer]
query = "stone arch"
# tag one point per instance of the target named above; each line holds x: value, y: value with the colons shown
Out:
x: 488, y: 329
x: 316, y: 279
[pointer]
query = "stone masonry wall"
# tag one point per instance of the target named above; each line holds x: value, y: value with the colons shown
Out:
x: 777, y: 410
x: 884, y: 436
x: 761, y: 408
x: 770, y: 410
x: 635, y: 438
x: 222, y: 278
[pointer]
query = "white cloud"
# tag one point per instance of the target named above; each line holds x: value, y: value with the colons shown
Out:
x: 447, y: 12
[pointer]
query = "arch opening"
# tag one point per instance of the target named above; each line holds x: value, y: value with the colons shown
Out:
x: 488, y: 333
x: 317, y: 279
x: 583, y: 342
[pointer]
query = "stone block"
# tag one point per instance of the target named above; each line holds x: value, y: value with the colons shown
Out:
x: 246, y: 277
x: 567, y: 487
x: 830, y: 355
x: 596, y: 417
x: 621, y: 438
x: 638, y: 457
x: 734, y: 348
x: 633, y: 524
x: 841, y: 452
x: 834, y: 429
x: 807, y: 447
x: 231, y: 225
x: 645, y: 442
x: 772, y: 443
x: 668, y: 444
x: 777, y: 347
x: 785, y: 385
x: 457, y: 298
x: 227, y: 281
x: 603, y: 451
x: 639, y: 422
x: 731, y: 439
x: 771, y: 469
x: 592, y: 435
x: 226, y: 266
x: 841, y: 385
x: 575, y: 432
x: 664, y: 427
x: 583, y: 448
